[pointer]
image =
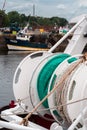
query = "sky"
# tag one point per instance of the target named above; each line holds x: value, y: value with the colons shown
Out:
x: 47, y: 8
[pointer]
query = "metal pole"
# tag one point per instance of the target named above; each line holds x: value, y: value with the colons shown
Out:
x: 66, y: 35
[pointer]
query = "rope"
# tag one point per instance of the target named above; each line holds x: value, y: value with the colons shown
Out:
x: 56, y: 86
x: 61, y: 92
x: 64, y: 94
x: 45, y: 109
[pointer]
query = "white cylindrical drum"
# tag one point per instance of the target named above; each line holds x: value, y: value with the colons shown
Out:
x: 33, y: 84
x: 23, y: 75
x: 54, y: 97
x: 41, y: 77
x: 76, y: 92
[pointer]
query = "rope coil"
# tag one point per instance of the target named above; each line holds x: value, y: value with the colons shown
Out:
x: 63, y: 78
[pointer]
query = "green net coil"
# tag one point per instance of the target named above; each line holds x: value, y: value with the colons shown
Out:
x: 46, y: 73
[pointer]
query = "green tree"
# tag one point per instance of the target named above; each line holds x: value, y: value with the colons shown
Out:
x: 59, y: 21
x: 63, y: 22
x: 14, y: 16
x: 23, y: 20
x: 4, y: 20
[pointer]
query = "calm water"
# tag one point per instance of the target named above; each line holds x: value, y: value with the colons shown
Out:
x: 8, y: 65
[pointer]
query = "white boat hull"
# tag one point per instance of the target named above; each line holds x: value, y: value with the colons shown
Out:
x: 21, y: 48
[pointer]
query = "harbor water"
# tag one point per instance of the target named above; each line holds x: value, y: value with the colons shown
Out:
x: 8, y: 64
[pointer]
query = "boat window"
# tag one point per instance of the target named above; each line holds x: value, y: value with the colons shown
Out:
x: 72, y: 89
x: 17, y: 75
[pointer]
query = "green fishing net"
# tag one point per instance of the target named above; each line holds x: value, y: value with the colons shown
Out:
x: 46, y: 73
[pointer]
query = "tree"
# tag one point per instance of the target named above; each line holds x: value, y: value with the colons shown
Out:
x: 4, y: 21
x: 63, y: 22
x: 59, y: 21
x: 14, y: 16
x: 23, y: 19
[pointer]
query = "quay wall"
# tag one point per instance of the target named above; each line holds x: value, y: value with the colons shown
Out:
x: 3, y: 45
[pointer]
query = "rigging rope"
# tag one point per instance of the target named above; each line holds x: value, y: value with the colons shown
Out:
x: 45, y: 109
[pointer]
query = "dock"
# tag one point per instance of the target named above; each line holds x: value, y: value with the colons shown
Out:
x: 3, y: 46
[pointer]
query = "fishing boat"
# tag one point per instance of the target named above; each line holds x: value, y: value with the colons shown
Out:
x: 51, y: 88
x: 25, y: 40
x: 23, y: 43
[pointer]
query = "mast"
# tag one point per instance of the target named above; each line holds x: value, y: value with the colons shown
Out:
x: 33, y: 9
x: 4, y: 5
x: 1, y: 14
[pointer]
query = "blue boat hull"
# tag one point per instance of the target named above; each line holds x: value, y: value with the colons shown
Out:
x: 25, y: 45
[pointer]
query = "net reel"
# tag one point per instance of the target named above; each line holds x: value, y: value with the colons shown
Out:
x: 36, y: 76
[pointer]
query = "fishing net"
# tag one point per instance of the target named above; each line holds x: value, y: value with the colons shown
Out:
x: 46, y: 73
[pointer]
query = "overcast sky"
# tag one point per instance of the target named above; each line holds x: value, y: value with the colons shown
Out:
x: 47, y: 8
